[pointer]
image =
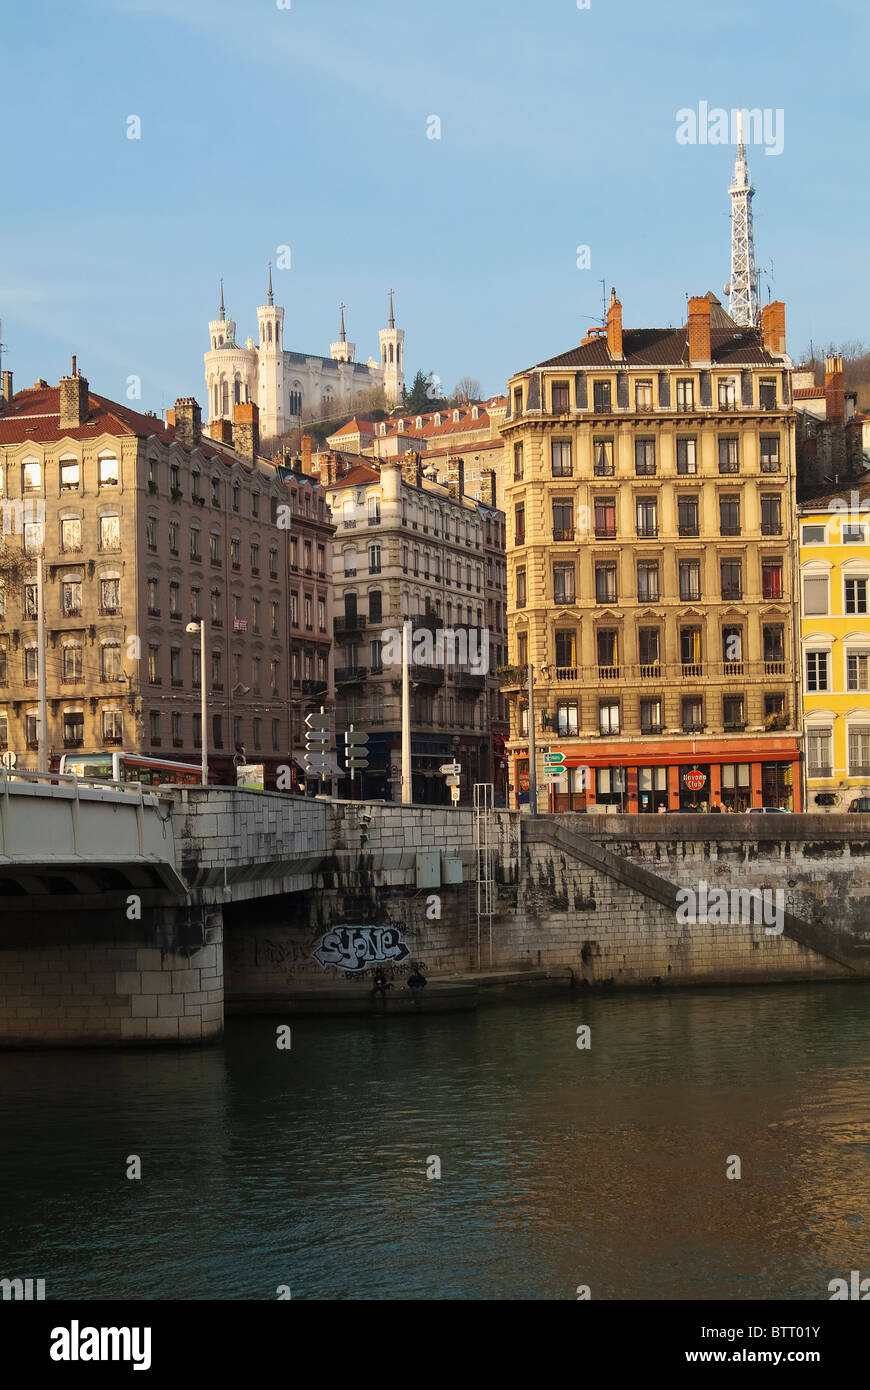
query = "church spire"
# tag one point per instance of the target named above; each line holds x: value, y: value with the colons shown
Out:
x: 342, y: 337
x: 392, y: 315
x: 222, y: 310
x: 269, y: 298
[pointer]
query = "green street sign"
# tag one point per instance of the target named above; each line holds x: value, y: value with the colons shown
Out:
x: 553, y: 759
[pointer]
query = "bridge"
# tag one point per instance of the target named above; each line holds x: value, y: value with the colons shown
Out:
x: 132, y: 914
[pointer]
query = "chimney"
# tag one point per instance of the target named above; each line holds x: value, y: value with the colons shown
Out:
x: 456, y: 477
x: 188, y: 421
x: 246, y: 430
x: 699, y: 332
x: 7, y: 388
x: 835, y: 390
x: 412, y: 468
x: 487, y: 487
x: 222, y: 430
x: 73, y: 400
x: 614, y: 326
x: 306, y: 453
x: 773, y: 327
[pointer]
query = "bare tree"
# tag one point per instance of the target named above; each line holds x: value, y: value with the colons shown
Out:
x: 467, y: 389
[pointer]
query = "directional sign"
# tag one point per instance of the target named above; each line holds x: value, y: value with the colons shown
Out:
x: 554, y: 772
x: 450, y: 770
x: 317, y: 721
x: 356, y: 737
x: 453, y: 781
x: 554, y: 759
x: 313, y: 736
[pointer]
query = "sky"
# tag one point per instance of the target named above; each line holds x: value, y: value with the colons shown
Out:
x: 306, y: 124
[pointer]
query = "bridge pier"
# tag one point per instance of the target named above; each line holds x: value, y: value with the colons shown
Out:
x: 100, y: 977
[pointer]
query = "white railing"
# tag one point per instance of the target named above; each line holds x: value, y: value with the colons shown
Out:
x: 65, y: 779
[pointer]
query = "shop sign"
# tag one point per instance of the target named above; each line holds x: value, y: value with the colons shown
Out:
x: 695, y: 780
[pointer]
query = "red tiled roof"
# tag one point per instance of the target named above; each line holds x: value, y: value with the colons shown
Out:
x: 354, y: 427
x: 809, y: 393
x: 356, y: 477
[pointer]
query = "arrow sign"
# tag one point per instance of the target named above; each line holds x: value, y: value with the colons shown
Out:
x: 554, y: 759
x: 356, y: 737
x: 450, y: 770
x: 313, y: 736
x: 317, y: 721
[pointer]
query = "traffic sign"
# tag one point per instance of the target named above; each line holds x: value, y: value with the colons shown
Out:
x: 450, y: 769
x: 356, y: 737
x: 454, y: 794
x: 553, y: 759
x: 453, y: 781
x: 313, y: 736
x: 317, y: 721
x: 554, y: 772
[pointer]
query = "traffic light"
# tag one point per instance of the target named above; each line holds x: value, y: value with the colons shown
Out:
x: 355, y: 750
x: 317, y: 735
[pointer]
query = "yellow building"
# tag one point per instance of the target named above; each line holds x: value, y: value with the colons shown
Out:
x: 650, y: 503
x: 835, y: 641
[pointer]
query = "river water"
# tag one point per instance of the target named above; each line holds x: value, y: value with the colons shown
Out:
x: 559, y: 1167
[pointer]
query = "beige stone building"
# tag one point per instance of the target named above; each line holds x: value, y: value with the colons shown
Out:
x: 148, y: 527
x: 651, y: 557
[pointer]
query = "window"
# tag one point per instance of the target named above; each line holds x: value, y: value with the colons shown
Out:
x: 154, y: 663
x: 605, y: 583
x: 692, y: 714
x: 518, y: 461
x: 560, y: 454
x: 687, y: 516
x: 643, y: 395
x: 73, y: 728
x: 31, y: 727
x: 110, y: 661
x: 214, y: 549
x: 601, y: 397
x: 607, y: 646
x: 729, y: 516
x: 31, y: 476
x: 563, y: 583
x: 859, y: 750
x: 727, y: 393
x: 769, y: 453
x: 647, y: 517
x: 645, y: 457
x: 113, y: 726
x: 521, y: 586
x: 236, y: 553
x: 767, y: 393
x: 110, y: 595
x: 733, y: 716
x: 563, y: 519
x: 273, y: 562
x: 72, y: 661
x: 107, y: 471
x: 853, y: 535
x: 685, y: 393
x: 216, y: 607
x: 648, y: 650
x: 856, y: 595
x: 771, y: 579
x: 560, y: 397
x: 858, y: 670
x: 608, y: 716
x: 602, y: 455
x: 71, y: 598
x: 309, y: 626
x: 31, y: 665
x: 648, y: 582
x: 519, y: 527
x: 174, y: 599
x: 522, y: 648
x: 71, y: 534
x: 690, y: 580
x: 566, y: 649
x: 215, y: 492
x: 819, y: 751
x: 110, y: 533
x: 687, y: 455
x: 771, y: 515
x: 690, y: 650
x: 815, y: 595
x: 732, y: 650
x: 567, y: 717
x: 651, y: 716
x: 812, y: 535
x: 255, y: 557
x: 217, y: 670
x: 817, y: 670
x: 729, y: 454
x: 605, y: 516
x: 173, y: 537
x: 31, y: 602
x: 194, y: 544
x: 375, y: 559
x: 153, y: 597
x: 175, y: 665
x: 374, y: 511
x: 731, y: 572
x: 69, y: 475
x: 773, y: 641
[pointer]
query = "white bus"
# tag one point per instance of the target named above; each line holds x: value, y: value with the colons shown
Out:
x: 131, y: 767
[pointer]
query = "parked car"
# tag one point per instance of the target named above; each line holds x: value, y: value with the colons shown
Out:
x: 861, y: 803
x: 770, y: 810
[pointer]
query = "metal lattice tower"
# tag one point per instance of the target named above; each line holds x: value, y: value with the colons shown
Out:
x: 743, y: 286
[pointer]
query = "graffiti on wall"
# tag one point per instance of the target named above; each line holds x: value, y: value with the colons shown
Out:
x: 353, y: 948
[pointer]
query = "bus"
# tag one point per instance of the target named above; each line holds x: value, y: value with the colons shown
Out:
x: 131, y: 767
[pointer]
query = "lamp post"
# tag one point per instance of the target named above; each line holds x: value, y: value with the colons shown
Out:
x: 200, y: 628
x: 533, y: 780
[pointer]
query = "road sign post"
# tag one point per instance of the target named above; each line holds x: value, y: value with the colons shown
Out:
x: 355, y: 751
x: 317, y: 737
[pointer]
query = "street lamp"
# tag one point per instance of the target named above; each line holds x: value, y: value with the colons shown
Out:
x: 200, y: 628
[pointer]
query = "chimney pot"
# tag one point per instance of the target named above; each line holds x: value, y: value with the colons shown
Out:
x: 614, y: 326
x: 188, y: 421
x: 73, y: 401
x: 699, y: 331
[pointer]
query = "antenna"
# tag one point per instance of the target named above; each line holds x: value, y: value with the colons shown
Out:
x: 603, y: 284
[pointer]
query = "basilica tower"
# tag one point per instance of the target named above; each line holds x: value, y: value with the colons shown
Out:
x: 392, y: 341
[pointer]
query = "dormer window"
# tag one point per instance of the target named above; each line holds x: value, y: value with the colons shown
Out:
x: 475, y: 413
x: 456, y: 417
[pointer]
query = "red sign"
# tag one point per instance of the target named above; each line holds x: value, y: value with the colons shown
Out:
x: 695, y: 780
x: 524, y: 781
x: 240, y: 624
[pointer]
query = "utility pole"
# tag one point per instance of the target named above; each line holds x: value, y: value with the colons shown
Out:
x: 42, y: 755
x: 407, y: 782
x: 533, y: 781
x: 203, y: 703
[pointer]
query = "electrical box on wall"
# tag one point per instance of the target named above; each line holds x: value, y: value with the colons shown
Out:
x: 451, y: 870
x: 429, y: 868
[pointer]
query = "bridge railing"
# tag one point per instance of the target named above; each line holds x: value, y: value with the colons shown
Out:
x: 138, y: 790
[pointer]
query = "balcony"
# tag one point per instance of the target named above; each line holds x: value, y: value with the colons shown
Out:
x: 774, y: 668
x: 687, y: 528
x: 566, y: 673
x: 691, y: 670
x: 651, y: 672
x: 693, y: 726
x: 563, y: 533
x: 350, y: 623
x: 608, y: 673
x: 470, y: 680
x: 732, y: 668
x: 314, y: 687
x: 512, y: 677
x: 770, y: 465
x: 348, y: 525
x: 822, y: 772
x: 648, y: 728
x: 605, y: 533
x: 648, y: 532
x: 350, y: 675
x: 771, y: 528
x: 729, y: 529
x: 427, y: 675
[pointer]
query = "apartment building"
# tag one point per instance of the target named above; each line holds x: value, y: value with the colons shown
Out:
x: 149, y: 526
x: 409, y: 547
x: 835, y: 643
x: 650, y: 498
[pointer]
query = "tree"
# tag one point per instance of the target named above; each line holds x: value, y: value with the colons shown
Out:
x: 467, y: 389
x: 420, y: 398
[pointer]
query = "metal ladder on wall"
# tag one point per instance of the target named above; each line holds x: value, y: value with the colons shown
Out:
x: 484, y: 850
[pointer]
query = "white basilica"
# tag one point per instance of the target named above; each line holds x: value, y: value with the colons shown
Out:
x: 283, y: 383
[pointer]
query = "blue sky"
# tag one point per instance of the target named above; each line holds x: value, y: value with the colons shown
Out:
x: 307, y: 127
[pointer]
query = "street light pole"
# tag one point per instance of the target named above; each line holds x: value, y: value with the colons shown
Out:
x: 200, y: 628
x: 533, y: 781
x: 42, y: 754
